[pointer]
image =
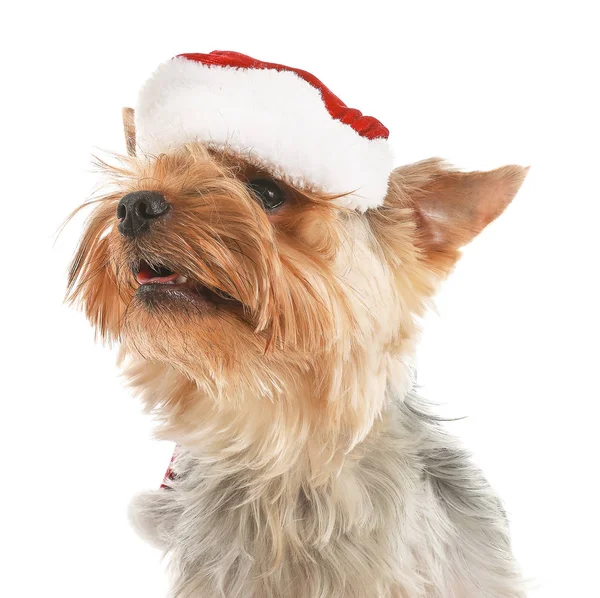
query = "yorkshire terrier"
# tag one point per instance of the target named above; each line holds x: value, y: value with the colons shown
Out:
x: 263, y: 268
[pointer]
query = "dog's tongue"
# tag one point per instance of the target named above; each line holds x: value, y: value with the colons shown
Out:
x: 148, y: 276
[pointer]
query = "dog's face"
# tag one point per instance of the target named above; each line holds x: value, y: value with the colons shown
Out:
x: 224, y: 280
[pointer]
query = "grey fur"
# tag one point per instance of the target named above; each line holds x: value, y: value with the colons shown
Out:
x: 428, y: 524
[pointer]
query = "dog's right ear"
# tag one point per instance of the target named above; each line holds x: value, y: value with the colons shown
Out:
x: 129, y: 129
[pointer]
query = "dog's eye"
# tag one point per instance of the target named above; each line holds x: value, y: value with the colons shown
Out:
x: 268, y: 192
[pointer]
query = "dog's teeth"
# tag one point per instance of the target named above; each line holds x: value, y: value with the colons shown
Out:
x: 180, y: 279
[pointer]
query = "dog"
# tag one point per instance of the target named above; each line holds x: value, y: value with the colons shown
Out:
x: 263, y: 268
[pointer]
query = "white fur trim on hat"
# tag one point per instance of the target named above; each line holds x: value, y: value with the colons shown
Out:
x: 274, y: 117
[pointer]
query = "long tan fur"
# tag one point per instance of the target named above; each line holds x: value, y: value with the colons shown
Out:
x: 307, y: 467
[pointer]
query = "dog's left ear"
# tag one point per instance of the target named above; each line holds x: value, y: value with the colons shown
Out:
x: 128, y: 115
x: 449, y: 208
x: 456, y: 206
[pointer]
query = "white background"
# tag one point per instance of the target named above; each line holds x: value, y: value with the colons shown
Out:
x: 514, y: 344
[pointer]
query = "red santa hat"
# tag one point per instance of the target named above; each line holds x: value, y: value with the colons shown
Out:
x: 282, y: 118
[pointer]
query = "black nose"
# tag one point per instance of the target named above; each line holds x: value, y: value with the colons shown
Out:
x: 137, y: 210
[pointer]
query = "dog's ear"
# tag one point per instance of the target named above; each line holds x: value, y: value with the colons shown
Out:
x: 449, y: 208
x: 128, y: 115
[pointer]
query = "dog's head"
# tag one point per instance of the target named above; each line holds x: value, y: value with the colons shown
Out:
x: 229, y: 285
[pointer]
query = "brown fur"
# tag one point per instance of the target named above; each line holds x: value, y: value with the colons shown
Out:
x: 289, y: 381
x: 279, y: 267
x: 128, y: 115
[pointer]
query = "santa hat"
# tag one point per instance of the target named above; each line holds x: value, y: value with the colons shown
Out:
x: 279, y: 117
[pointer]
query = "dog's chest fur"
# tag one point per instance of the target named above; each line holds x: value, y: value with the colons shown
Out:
x: 407, y: 515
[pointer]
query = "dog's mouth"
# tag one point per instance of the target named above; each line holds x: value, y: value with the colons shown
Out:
x: 147, y: 274
x: 159, y: 280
